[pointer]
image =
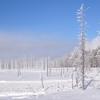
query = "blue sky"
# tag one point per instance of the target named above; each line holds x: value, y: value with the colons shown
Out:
x: 44, y: 27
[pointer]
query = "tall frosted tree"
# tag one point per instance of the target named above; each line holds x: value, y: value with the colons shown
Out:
x: 82, y: 22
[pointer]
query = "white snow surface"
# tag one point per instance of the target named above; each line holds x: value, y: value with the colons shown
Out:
x: 28, y: 86
x: 75, y: 94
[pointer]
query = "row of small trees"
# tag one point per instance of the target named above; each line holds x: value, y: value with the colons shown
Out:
x: 30, y: 63
x: 23, y: 63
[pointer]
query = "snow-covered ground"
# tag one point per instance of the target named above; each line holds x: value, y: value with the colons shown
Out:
x: 75, y: 94
x: 36, y: 85
x: 33, y: 75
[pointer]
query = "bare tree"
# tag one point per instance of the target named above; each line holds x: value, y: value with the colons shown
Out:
x: 81, y: 19
x: 42, y: 80
x: 47, y: 66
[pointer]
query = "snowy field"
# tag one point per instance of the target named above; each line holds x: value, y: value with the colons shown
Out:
x: 36, y: 85
x: 89, y: 94
x: 33, y: 75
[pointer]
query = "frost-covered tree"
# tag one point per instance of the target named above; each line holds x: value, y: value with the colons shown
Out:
x: 81, y: 20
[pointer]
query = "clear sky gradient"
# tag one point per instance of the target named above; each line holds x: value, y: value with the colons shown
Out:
x: 44, y: 27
